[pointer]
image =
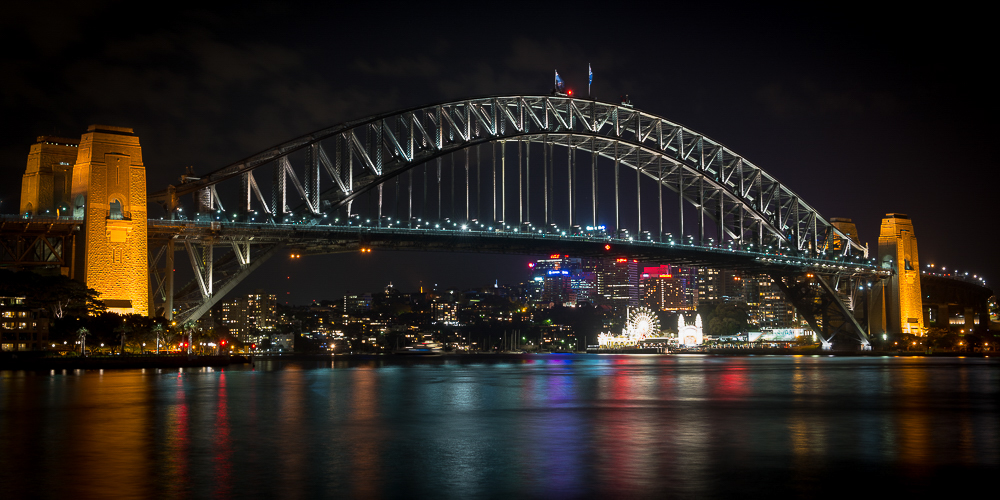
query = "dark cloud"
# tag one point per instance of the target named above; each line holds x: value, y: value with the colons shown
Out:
x: 808, y: 99
x: 417, y: 66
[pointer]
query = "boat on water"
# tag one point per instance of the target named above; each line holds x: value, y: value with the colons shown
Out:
x: 424, y: 349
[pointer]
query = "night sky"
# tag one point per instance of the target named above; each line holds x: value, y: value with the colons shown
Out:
x: 860, y: 109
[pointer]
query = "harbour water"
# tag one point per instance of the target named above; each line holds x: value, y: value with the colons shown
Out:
x: 535, y: 426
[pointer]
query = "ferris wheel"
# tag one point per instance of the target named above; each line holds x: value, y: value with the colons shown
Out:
x: 642, y: 323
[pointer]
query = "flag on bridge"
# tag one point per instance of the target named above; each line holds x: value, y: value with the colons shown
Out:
x: 560, y: 86
x: 590, y: 81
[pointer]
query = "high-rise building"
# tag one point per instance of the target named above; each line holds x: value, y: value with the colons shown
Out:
x: 252, y: 316
x: 720, y: 286
x: 357, y: 303
x: 564, y: 279
x: 898, y: 308
x: 667, y: 288
x: 618, y: 283
x: 445, y: 312
x: 766, y: 305
x: 22, y: 328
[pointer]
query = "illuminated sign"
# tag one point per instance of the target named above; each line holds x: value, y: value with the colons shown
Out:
x: 554, y: 256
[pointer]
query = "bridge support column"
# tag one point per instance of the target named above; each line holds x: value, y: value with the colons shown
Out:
x: 593, y: 180
x: 618, y: 225
x: 168, y: 306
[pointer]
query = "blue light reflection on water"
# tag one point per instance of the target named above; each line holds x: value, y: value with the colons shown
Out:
x: 563, y: 426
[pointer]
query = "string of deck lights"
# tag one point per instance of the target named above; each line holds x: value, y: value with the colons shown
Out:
x: 944, y: 273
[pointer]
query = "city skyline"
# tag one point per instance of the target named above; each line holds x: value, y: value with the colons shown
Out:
x: 838, y: 109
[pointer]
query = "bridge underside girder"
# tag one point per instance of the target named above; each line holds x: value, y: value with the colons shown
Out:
x: 244, y: 247
x: 38, y: 243
x: 824, y: 307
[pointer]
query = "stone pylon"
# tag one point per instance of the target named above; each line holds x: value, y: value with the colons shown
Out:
x: 898, y: 308
x: 109, y: 192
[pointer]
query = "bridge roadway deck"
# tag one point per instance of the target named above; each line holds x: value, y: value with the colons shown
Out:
x: 325, y: 239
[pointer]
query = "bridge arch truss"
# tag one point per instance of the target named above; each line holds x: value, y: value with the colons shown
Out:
x: 550, y: 164
x: 337, y: 165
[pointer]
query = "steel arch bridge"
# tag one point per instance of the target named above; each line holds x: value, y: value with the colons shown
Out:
x: 619, y: 179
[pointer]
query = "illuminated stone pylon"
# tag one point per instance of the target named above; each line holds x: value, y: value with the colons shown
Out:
x: 847, y: 227
x: 45, y: 186
x: 109, y: 192
x: 900, y: 300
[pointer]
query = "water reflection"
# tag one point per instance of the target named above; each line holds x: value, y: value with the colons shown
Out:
x: 175, y: 447
x: 569, y: 427
x: 222, y: 444
x: 364, y: 434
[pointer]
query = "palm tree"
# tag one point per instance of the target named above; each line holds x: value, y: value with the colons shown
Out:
x: 123, y: 330
x: 160, y: 334
x: 189, y: 327
x: 81, y: 334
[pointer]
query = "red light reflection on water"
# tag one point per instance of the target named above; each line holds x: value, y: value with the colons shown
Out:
x: 732, y: 382
x: 626, y: 443
x: 223, y: 445
x: 177, y: 442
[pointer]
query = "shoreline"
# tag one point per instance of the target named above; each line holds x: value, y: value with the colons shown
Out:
x: 37, y: 363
